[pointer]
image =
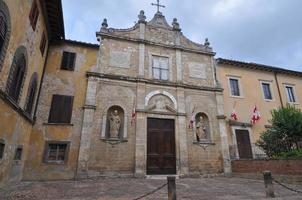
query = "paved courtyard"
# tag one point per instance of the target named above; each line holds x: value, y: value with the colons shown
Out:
x: 127, y: 189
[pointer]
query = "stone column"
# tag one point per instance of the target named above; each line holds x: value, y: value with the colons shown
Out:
x: 141, y: 145
x: 223, y: 135
x: 87, y: 127
x: 141, y: 133
x: 182, y: 139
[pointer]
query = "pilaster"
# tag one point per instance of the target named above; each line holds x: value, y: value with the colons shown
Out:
x: 87, y: 127
x: 223, y: 135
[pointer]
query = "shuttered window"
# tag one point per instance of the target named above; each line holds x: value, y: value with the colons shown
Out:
x: 32, y: 89
x: 68, y: 61
x: 34, y: 14
x: 16, y: 77
x: 2, y: 148
x: 18, y: 153
x: 43, y: 43
x: 56, y: 152
x: 61, y: 109
x: 3, y: 30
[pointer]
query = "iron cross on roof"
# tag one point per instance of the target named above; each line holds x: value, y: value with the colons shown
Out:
x: 158, y: 5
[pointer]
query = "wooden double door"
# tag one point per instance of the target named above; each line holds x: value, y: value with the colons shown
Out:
x: 161, y: 157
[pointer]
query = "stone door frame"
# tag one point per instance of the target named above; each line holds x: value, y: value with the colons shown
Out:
x: 141, y: 145
x: 234, y: 128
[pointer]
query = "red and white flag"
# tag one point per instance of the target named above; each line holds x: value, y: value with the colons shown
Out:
x: 234, y: 114
x: 192, y: 119
x: 133, y: 115
x: 255, y: 116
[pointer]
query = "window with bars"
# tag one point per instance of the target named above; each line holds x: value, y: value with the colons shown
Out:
x: 68, y: 61
x: 33, y: 15
x: 56, y: 152
x: 234, y: 86
x: 2, y: 148
x: 160, y: 68
x: 61, y: 109
x: 18, y: 153
x: 43, y: 43
x: 290, y: 94
x: 266, y: 87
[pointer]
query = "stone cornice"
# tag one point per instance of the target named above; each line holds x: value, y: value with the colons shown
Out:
x: 153, y: 82
x: 161, y: 113
x: 176, y: 47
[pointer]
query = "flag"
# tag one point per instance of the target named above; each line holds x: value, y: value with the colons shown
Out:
x: 234, y: 114
x: 133, y: 115
x: 192, y: 119
x: 255, y: 116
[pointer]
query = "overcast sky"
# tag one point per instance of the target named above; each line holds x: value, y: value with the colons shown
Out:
x: 261, y: 31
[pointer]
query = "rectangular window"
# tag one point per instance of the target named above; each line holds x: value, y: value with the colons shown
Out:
x: 234, y: 86
x: 56, y: 152
x: 43, y: 43
x: 290, y: 94
x: 2, y: 148
x: 18, y: 153
x: 68, y: 61
x: 34, y: 14
x: 267, y: 91
x: 61, y: 109
x: 160, y: 68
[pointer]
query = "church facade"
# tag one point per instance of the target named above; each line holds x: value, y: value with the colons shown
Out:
x: 145, y: 101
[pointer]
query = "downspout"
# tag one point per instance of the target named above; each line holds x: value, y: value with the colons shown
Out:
x: 278, y: 87
x: 41, y: 82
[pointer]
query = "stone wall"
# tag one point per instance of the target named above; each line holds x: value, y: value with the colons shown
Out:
x: 278, y: 167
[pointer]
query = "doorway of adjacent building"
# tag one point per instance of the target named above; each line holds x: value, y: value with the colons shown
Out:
x: 244, y: 144
x: 161, y: 157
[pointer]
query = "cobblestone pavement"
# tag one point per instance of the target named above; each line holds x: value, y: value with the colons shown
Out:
x: 126, y: 189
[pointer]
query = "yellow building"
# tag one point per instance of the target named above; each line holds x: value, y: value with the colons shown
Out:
x: 59, y: 99
x: 26, y: 29
x: 247, y: 85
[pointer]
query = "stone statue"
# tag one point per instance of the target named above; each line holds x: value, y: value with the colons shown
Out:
x: 115, y: 124
x: 201, y: 129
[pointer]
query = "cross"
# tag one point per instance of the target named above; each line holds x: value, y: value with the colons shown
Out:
x: 158, y: 5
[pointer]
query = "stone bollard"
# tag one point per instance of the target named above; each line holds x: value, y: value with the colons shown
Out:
x: 171, y: 188
x: 268, y: 182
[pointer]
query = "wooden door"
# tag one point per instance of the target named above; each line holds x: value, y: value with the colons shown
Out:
x: 244, y: 144
x: 161, y: 157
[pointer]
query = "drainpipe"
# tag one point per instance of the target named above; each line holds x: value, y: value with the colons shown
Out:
x: 279, y: 92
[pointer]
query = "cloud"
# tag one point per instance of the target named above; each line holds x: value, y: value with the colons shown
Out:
x: 267, y: 32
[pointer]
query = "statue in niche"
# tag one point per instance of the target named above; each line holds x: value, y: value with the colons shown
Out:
x: 200, y: 129
x: 115, y: 124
